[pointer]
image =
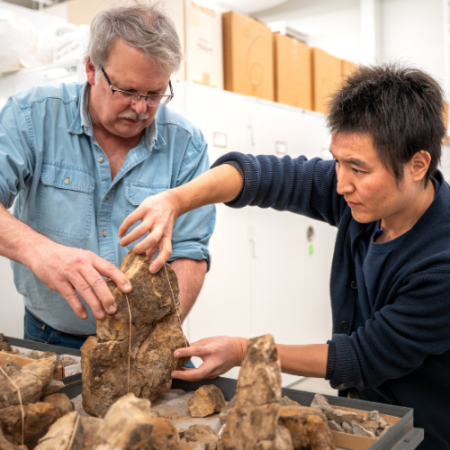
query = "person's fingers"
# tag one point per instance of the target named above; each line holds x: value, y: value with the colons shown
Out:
x: 141, y: 230
x: 204, y: 371
x: 199, y: 351
x: 164, y: 255
x: 152, y: 240
x: 151, y: 252
x: 109, y: 270
x: 100, y: 289
x: 85, y: 290
x: 71, y: 297
x: 129, y: 221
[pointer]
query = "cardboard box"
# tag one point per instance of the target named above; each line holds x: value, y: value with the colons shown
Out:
x: 446, y: 140
x: 347, y: 68
x: 326, y: 76
x: 81, y: 12
x: 204, y: 49
x: 292, y: 74
x: 248, y: 56
x: 22, y: 361
x: 352, y: 442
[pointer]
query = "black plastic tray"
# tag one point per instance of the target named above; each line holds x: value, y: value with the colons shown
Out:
x: 402, y: 436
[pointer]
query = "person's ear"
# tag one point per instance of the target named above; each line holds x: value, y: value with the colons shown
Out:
x: 420, y: 163
x: 90, y: 71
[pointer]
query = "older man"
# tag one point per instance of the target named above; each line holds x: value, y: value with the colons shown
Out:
x: 78, y: 158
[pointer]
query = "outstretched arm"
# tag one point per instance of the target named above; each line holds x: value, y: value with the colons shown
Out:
x: 159, y: 212
x: 220, y: 354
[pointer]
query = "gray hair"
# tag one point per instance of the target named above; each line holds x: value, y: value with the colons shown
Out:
x: 143, y: 24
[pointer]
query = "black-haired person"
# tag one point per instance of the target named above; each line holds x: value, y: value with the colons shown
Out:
x: 391, y: 335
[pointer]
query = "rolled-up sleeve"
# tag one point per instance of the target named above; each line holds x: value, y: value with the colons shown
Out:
x: 193, y: 230
x: 17, y: 157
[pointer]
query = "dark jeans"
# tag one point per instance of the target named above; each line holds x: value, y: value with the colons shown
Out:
x: 36, y: 330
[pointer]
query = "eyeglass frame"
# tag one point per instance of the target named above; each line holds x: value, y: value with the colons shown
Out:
x: 137, y: 97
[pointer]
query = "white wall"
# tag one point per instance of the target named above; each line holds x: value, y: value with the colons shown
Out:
x: 331, y: 25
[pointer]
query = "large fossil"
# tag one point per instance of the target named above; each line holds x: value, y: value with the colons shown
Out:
x: 155, y: 334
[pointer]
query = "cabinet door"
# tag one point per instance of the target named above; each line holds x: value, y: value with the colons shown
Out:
x: 224, y: 304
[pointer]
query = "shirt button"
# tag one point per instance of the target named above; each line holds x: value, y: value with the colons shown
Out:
x: 106, y: 197
x: 101, y: 159
x: 67, y: 181
x: 344, y: 325
x: 353, y: 285
x: 104, y: 233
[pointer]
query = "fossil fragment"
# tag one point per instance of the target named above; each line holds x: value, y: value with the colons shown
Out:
x: 207, y: 400
x: 202, y: 434
x: 155, y: 334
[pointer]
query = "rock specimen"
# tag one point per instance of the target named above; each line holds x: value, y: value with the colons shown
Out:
x: 286, y: 401
x: 91, y: 426
x: 7, y: 445
x: 38, y: 418
x: 223, y: 416
x: 185, y: 446
x: 65, y: 433
x: 253, y: 423
x: 308, y: 428
x: 351, y: 422
x: 155, y: 334
x: 61, y: 401
x: 128, y: 425
x: 202, y: 434
x: 164, y: 435
x: 207, y: 400
x: 31, y: 380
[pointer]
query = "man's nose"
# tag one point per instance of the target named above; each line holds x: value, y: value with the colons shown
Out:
x: 344, y: 186
x: 140, y: 107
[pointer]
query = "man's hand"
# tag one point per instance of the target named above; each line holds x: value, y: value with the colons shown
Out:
x: 158, y: 214
x: 66, y: 270
x: 219, y: 355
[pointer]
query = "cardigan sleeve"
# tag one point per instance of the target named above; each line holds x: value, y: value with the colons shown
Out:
x: 286, y: 184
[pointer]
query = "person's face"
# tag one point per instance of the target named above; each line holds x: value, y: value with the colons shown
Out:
x: 369, y: 188
x: 128, y: 69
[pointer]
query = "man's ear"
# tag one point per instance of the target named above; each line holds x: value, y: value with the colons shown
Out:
x: 90, y: 71
x: 420, y: 163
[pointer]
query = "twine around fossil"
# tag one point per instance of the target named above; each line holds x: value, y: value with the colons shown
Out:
x: 129, y: 345
x: 20, y: 400
x: 74, y: 432
x: 174, y: 303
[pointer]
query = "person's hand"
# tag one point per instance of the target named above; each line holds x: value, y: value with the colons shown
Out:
x: 158, y: 214
x: 66, y: 270
x: 219, y: 355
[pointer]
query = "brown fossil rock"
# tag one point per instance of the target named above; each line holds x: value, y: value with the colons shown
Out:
x: 252, y: 423
x: 207, y: 400
x: 202, y: 434
x: 308, y: 428
x: 7, y: 445
x: 38, y: 418
x: 155, y: 334
x: 164, y: 435
x: 61, y: 401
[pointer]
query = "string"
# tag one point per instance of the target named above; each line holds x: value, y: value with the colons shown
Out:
x: 129, y: 345
x: 74, y: 432
x: 20, y: 400
x: 173, y: 301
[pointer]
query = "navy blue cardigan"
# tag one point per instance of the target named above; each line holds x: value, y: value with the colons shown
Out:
x: 402, y: 354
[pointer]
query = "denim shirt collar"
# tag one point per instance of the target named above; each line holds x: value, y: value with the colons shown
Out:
x: 83, y: 124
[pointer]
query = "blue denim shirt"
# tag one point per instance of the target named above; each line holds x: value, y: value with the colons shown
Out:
x: 51, y: 164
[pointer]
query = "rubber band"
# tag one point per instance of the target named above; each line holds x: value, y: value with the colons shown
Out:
x: 20, y: 400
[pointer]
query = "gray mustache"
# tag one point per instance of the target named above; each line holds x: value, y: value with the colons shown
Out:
x: 133, y: 116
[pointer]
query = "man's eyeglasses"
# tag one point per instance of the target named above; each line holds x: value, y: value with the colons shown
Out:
x: 130, y: 98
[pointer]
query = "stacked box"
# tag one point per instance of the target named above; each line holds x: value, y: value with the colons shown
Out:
x: 292, y: 64
x: 347, y: 68
x: 326, y: 76
x: 248, y: 56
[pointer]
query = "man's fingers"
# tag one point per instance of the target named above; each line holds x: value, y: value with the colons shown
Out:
x: 191, y: 351
x: 192, y: 374
x: 85, y: 290
x: 129, y: 221
x: 164, y: 255
x: 109, y: 270
x: 141, y: 230
x: 100, y: 289
x: 71, y: 297
x: 150, y: 241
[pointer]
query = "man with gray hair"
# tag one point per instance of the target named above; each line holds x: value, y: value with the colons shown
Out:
x: 81, y: 157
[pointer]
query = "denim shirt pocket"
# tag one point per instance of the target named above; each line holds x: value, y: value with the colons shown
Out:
x: 135, y: 194
x: 65, y: 201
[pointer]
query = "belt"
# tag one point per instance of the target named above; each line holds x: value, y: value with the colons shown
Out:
x: 84, y: 336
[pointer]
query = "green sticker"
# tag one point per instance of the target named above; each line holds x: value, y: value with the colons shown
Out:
x: 311, y: 249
